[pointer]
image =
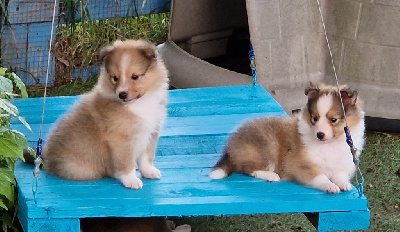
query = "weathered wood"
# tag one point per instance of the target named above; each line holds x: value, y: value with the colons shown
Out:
x: 198, y: 125
x: 30, y: 11
x: 25, y: 40
x: 38, y: 52
x: 14, y: 43
x: 99, y: 9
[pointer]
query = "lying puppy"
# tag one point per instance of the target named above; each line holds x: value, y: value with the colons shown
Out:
x: 309, y: 148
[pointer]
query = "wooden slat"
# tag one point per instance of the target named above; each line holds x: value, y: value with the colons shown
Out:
x: 188, y: 191
x: 240, y: 94
x: 14, y: 42
x: 33, y: 11
x: 38, y: 52
x: 30, y: 11
x: 100, y: 9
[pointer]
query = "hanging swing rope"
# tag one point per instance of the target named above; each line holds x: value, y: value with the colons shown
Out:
x: 359, y: 178
x: 38, y: 159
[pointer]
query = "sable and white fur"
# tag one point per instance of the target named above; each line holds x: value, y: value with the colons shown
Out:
x: 309, y: 148
x: 117, y: 124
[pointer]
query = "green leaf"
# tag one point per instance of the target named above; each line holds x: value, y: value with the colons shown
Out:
x: 23, y: 121
x: 12, y: 144
x: 7, y: 189
x: 7, y: 175
x: 6, y: 85
x: 2, y: 205
x: 8, y: 221
x: 20, y: 84
x: 10, y: 149
x: 18, y: 138
x: 3, y: 71
x: 8, y: 107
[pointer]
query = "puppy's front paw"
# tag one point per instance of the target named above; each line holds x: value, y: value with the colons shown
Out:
x: 344, y: 186
x: 331, y: 188
x: 322, y: 183
x: 134, y: 183
x: 151, y: 173
x: 343, y: 181
x: 131, y: 181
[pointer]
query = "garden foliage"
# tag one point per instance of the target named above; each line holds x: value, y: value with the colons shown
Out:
x: 12, y: 144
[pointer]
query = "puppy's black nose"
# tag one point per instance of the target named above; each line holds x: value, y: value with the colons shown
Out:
x: 122, y: 95
x: 320, y: 135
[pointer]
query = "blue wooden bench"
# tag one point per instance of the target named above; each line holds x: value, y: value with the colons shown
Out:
x: 198, y: 125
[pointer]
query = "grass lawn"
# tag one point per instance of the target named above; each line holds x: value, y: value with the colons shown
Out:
x: 380, y: 164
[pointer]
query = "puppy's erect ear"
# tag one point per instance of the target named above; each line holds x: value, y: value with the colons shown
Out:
x: 311, y: 91
x: 149, y: 50
x: 349, y: 96
x: 103, y: 52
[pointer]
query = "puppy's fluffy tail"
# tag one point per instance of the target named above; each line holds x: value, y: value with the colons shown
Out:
x: 223, y: 168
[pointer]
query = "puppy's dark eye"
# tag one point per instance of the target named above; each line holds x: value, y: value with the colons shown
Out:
x: 333, y: 120
x: 135, y: 77
x: 314, y: 118
x: 115, y: 78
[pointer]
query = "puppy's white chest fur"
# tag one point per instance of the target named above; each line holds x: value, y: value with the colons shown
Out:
x: 332, y: 157
x: 151, y: 111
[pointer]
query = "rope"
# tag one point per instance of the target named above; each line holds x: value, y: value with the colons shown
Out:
x: 38, y: 159
x: 359, y: 177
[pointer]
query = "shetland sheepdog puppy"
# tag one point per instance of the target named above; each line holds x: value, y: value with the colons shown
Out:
x: 309, y: 148
x: 117, y: 124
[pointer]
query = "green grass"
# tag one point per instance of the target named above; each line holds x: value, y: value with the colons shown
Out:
x: 75, y: 87
x: 380, y: 163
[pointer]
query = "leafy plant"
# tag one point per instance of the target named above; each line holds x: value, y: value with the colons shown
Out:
x: 12, y: 144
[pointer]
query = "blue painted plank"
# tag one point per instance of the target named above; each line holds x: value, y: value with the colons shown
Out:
x: 182, y: 199
x: 47, y: 225
x: 190, y: 186
x: 174, y: 110
x: 193, y: 96
x: 334, y: 221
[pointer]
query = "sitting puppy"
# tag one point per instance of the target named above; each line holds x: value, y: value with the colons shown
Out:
x: 117, y: 124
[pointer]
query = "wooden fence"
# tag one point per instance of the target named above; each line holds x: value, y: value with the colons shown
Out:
x: 26, y: 29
